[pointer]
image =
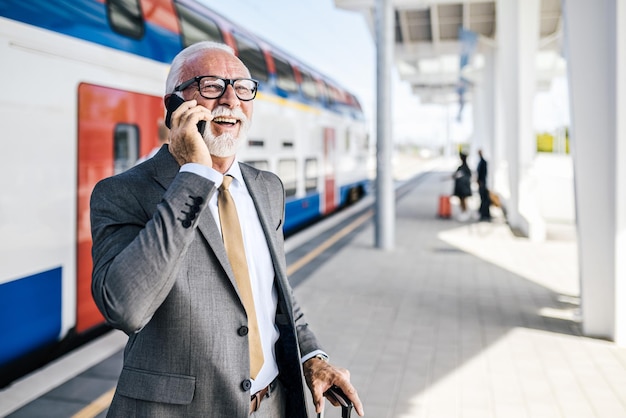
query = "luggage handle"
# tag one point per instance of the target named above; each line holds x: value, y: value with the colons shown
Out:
x: 337, y: 394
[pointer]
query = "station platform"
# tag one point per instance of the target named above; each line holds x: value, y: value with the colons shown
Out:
x: 462, y: 320
x: 458, y: 320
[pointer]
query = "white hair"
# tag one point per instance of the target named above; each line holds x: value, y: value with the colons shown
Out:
x: 192, y: 51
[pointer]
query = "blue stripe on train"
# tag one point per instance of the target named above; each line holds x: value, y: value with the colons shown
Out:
x: 344, y: 190
x: 89, y: 22
x: 301, y: 211
x: 30, y: 313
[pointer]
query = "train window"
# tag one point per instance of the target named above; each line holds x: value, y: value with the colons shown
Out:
x: 323, y: 88
x: 311, y: 173
x: 196, y: 28
x: 330, y: 96
x: 355, y: 103
x: 256, y: 143
x: 125, y: 146
x: 287, y: 144
x: 251, y: 55
x: 334, y: 93
x: 125, y: 17
x: 285, y: 78
x: 287, y: 173
x: 308, y: 86
x: 260, y: 164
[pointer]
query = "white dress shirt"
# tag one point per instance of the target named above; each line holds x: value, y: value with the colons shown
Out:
x: 260, y: 266
x: 259, y: 260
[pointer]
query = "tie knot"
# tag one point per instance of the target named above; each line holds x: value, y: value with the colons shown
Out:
x: 228, y: 179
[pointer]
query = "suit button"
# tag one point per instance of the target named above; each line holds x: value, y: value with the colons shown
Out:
x: 198, y: 200
x: 186, y: 223
x: 194, y: 209
x: 246, y: 385
x: 242, y: 331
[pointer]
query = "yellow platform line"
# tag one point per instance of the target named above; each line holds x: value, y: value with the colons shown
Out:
x: 97, y: 406
x: 329, y: 243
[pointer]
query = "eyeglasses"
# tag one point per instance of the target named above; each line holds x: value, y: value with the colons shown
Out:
x: 212, y: 87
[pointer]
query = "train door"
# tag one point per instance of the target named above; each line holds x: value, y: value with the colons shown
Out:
x: 329, y: 170
x: 115, y: 128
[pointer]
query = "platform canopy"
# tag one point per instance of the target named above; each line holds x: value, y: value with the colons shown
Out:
x: 439, y: 44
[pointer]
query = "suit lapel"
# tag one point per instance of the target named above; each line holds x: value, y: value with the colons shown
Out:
x: 266, y: 205
x: 261, y: 198
x: 166, y: 168
x: 265, y: 208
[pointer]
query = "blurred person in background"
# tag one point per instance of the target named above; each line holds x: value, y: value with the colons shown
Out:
x: 463, y: 185
x: 483, y: 191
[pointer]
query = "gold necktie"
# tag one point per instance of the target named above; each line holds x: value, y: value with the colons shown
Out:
x: 233, y: 241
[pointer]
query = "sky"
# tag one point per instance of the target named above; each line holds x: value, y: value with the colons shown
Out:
x: 335, y: 42
x: 339, y: 44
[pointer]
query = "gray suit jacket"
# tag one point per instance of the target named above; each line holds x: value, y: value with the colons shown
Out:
x: 161, y: 275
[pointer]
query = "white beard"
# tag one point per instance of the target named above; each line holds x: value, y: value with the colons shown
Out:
x: 226, y: 144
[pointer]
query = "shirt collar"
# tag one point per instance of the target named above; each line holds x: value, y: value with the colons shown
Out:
x: 235, y: 171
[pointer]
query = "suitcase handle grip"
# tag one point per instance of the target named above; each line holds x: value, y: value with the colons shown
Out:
x: 337, y: 394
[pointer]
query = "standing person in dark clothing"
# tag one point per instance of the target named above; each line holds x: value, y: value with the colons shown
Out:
x: 483, y: 191
x: 462, y: 185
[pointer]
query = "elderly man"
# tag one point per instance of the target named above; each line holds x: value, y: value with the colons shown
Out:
x: 189, y: 262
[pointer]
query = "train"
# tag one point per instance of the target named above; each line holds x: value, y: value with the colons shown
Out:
x: 82, y: 97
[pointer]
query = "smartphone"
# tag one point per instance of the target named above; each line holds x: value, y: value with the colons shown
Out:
x: 171, y: 104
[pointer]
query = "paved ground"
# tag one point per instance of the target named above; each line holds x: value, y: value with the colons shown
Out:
x: 462, y: 320
x: 459, y: 320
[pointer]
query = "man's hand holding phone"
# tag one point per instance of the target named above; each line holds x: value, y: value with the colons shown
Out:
x: 185, y: 119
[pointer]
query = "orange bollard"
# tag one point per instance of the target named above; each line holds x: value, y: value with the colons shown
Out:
x: 444, y: 210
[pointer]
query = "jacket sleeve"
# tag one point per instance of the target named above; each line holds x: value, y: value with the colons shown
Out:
x: 139, y: 239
